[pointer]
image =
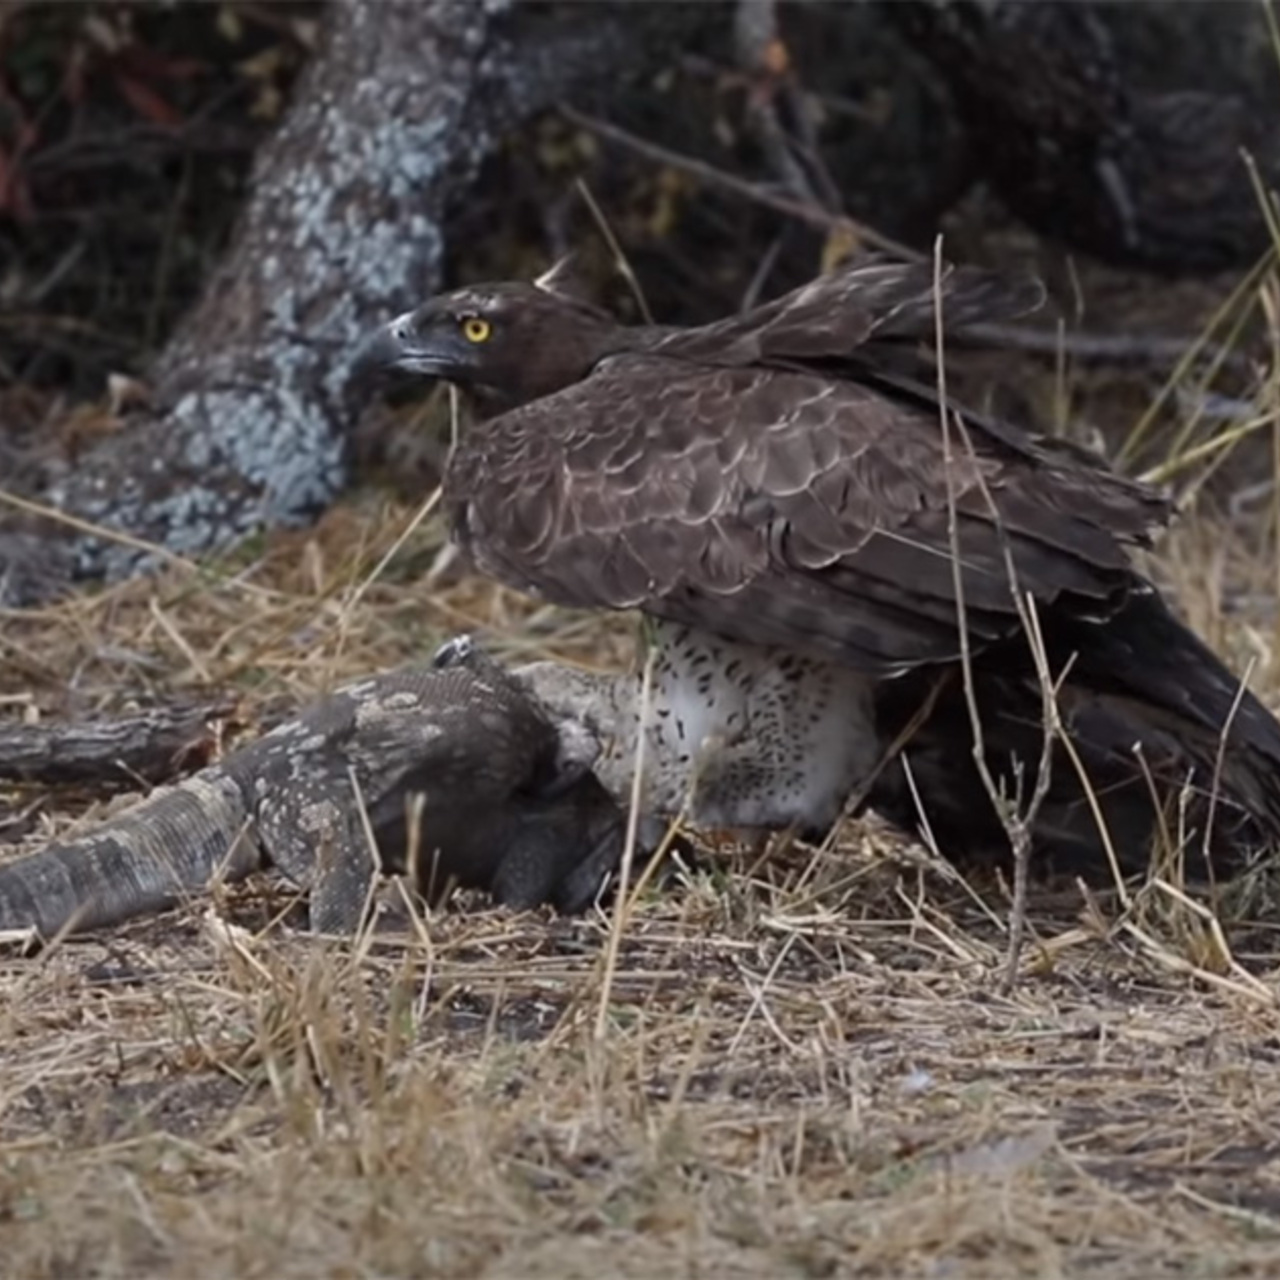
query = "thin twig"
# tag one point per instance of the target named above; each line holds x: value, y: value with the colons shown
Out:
x: 890, y: 753
x: 953, y: 536
x: 1220, y: 759
x: 1238, y: 301
x: 761, y: 274
x: 753, y: 191
x: 620, y: 259
x: 1107, y: 348
x: 1019, y: 821
x: 31, y: 507
x: 349, y: 606
x: 1100, y: 347
x: 621, y: 910
x: 1018, y: 824
x: 1044, y: 768
x: 791, y: 145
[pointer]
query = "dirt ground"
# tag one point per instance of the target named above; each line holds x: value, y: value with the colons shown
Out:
x: 802, y: 1065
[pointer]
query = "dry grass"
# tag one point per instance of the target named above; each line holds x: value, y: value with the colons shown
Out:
x: 804, y: 1069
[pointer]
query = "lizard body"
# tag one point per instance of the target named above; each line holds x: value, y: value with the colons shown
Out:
x: 508, y: 803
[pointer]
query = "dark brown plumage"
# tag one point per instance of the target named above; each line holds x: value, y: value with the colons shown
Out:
x: 782, y: 479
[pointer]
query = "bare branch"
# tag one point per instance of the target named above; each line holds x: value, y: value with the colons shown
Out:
x: 1018, y: 822
x: 756, y: 192
x: 150, y: 745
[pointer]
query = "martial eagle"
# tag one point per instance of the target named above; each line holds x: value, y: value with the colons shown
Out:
x: 776, y: 491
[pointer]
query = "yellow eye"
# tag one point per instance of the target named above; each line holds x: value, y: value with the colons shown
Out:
x: 476, y: 329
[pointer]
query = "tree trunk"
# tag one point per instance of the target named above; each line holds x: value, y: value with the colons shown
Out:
x: 251, y: 407
x: 1124, y: 130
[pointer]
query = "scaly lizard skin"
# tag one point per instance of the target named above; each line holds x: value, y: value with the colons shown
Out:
x: 508, y: 803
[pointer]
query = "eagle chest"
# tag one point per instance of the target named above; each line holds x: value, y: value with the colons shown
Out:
x: 751, y: 736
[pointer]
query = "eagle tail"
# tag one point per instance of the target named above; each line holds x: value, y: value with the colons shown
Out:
x: 1169, y: 754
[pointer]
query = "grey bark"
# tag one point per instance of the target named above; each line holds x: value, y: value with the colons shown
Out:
x: 342, y: 229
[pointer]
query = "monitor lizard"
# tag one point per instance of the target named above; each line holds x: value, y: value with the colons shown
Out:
x: 509, y: 803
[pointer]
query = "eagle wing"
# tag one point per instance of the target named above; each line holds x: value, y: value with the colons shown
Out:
x: 871, y: 303
x: 789, y: 508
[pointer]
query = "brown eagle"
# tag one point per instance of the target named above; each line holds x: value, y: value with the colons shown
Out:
x: 777, y: 492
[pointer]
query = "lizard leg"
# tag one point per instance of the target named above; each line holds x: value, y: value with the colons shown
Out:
x: 322, y: 846
x: 342, y: 887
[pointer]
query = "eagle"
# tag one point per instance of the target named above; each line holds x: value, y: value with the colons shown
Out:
x: 826, y: 545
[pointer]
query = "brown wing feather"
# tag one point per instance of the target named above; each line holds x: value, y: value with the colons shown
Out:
x: 865, y: 302
x: 786, y: 508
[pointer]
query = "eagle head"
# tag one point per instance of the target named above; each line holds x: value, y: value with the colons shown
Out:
x: 503, y: 344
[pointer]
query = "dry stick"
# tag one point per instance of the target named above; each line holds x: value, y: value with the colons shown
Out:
x: 1110, y: 348
x: 1052, y: 729
x: 1214, y: 926
x: 930, y: 841
x: 1196, y: 348
x: 625, y: 897
x: 1271, y: 309
x: 1219, y: 760
x: 670, y: 1116
x: 795, y: 157
x: 1253, y: 990
x: 752, y: 191
x: 889, y: 754
x: 1217, y: 448
x: 367, y: 915
x: 760, y: 993
x: 622, y: 909
x: 1023, y: 821
x: 1084, y: 346
x: 342, y: 625
x: 415, y: 807
x: 1163, y: 838
x: 1273, y: 27
x: 655, y: 861
x: 30, y: 507
x: 1265, y: 197
x: 1100, y: 821
x: 756, y: 284
x: 348, y: 608
x: 1223, y: 441
x: 620, y: 259
x: 953, y: 534
x: 1257, y: 1223
x: 179, y: 641
x: 1017, y: 825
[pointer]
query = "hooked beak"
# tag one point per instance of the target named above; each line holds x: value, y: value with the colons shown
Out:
x: 399, y: 346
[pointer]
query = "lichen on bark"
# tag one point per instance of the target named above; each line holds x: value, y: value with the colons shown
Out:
x: 251, y: 408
